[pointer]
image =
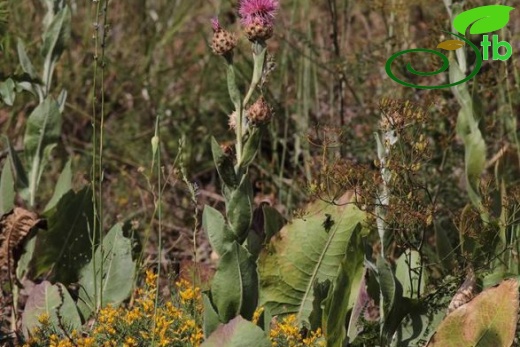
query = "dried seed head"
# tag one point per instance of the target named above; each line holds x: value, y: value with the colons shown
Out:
x: 258, y: 30
x: 260, y: 112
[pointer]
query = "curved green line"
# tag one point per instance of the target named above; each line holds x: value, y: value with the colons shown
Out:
x: 445, y: 65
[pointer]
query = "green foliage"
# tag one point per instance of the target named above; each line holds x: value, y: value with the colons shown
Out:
x: 41, y: 135
x: 109, y: 275
x: 488, y: 320
x: 343, y: 293
x: 6, y: 189
x: 305, y: 252
x: 55, y: 302
x: 67, y: 244
x: 237, y: 270
x: 238, y: 332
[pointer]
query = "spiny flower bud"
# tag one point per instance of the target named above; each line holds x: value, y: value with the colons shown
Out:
x: 223, y: 41
x: 260, y: 112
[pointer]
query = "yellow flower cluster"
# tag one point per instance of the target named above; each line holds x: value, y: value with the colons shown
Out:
x: 174, y: 324
x: 287, y: 334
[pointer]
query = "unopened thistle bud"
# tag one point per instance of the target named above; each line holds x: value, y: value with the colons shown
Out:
x: 260, y: 112
x: 223, y: 41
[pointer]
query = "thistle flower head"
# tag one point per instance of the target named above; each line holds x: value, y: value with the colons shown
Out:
x: 223, y: 41
x: 215, y: 24
x: 260, y: 112
x: 257, y: 17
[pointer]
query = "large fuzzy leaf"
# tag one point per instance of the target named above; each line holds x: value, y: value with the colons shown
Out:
x: 235, y: 285
x: 237, y: 333
x: 343, y: 293
x: 6, y: 188
x: 41, y: 135
x: 489, y: 320
x: 66, y: 246
x: 306, y: 251
x: 53, y: 300
x: 109, y: 276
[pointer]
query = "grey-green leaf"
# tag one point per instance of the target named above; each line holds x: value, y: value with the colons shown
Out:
x: 25, y: 62
x: 236, y: 270
x: 239, y: 209
x: 55, y: 39
x: 8, y: 91
x: 219, y: 235
x: 251, y: 146
x: 110, y: 274
x: 63, y: 185
x: 347, y: 282
x: 6, y: 188
x: 237, y: 333
x: 66, y: 246
x: 211, y: 319
x: 303, y: 253
x: 224, y: 164
x: 53, y: 300
x: 43, y: 130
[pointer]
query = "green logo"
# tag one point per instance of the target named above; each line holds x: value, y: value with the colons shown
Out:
x: 483, y: 20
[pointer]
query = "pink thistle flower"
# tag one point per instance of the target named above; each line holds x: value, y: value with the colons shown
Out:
x: 254, y: 11
x: 215, y: 24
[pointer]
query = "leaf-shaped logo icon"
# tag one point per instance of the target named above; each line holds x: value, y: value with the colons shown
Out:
x: 485, y: 19
x: 450, y: 45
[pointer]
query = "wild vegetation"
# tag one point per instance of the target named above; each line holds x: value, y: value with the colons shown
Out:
x: 232, y: 173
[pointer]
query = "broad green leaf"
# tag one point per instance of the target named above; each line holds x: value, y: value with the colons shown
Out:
x: 55, y: 39
x: 251, y: 147
x: 273, y: 222
x: 318, y: 318
x: 66, y: 246
x: 8, y: 91
x: 474, y: 145
x: 339, y: 301
x: 237, y: 333
x: 110, y: 274
x: 236, y: 270
x: 407, y: 272
x: 485, y: 19
x: 6, y: 188
x: 306, y: 251
x: 53, y: 300
x: 419, y: 325
x: 443, y: 247
x: 224, y: 164
x: 23, y: 266
x: 63, y: 185
x: 489, y: 320
x: 25, y: 62
x: 211, y: 320
x: 219, y: 235
x: 388, y: 293
x: 234, y: 93
x: 260, y: 51
x: 239, y: 209
x: 19, y: 171
x: 43, y: 130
